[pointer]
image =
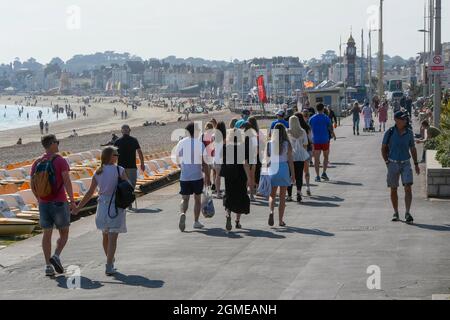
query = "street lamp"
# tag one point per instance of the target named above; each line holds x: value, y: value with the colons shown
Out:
x: 424, y: 57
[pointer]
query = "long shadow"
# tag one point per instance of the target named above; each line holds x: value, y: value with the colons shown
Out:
x: 147, y: 210
x: 138, y: 281
x: 442, y: 228
x: 320, y: 204
x: 85, y: 283
x: 345, y: 183
x: 327, y: 199
x: 219, y: 233
x: 312, y: 232
x: 342, y: 164
x: 260, y: 234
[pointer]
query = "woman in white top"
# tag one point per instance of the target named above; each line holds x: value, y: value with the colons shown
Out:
x: 109, y: 219
x: 299, y: 142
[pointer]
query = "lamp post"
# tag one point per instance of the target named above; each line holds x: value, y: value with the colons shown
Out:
x: 437, y: 78
x: 381, y: 54
x: 424, y: 59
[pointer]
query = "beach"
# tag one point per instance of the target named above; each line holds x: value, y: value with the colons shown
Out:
x: 96, y: 129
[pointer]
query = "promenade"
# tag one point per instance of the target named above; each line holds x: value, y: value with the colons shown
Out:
x: 324, y: 253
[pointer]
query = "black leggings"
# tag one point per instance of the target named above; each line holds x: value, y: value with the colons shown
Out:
x: 298, y: 168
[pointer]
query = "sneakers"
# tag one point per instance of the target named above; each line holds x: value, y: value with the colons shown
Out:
x: 318, y: 179
x: 396, y: 217
x: 110, y: 270
x: 182, y: 223
x: 198, y: 225
x: 308, y: 192
x: 252, y: 198
x: 289, y: 198
x: 228, y: 225
x: 409, y: 219
x: 49, y: 271
x: 56, y: 263
x: 271, y: 220
x: 299, y: 198
x: 325, y: 177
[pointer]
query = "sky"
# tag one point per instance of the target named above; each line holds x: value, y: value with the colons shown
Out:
x: 211, y: 29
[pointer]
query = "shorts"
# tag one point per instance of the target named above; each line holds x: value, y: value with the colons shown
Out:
x: 322, y: 146
x: 189, y: 188
x: 54, y: 214
x: 397, y: 170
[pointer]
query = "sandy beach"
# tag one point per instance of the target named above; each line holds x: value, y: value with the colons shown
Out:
x: 96, y: 129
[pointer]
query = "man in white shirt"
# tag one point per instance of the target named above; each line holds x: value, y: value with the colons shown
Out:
x: 190, y: 156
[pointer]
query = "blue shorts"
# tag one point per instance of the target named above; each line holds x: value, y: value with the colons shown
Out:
x: 189, y: 188
x: 54, y: 214
x: 397, y: 171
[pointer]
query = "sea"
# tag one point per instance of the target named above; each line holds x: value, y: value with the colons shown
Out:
x: 10, y: 119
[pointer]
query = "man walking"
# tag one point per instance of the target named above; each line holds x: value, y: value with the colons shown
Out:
x: 322, y: 130
x: 50, y: 181
x: 398, y: 147
x: 127, y: 147
x: 190, y: 155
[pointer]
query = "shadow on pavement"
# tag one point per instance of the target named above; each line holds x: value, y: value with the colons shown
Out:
x: 85, y: 283
x: 216, y: 232
x: 312, y: 232
x: 320, y: 204
x: 147, y: 211
x: 138, y: 281
x: 341, y: 164
x: 344, y: 183
x: 443, y: 228
x: 261, y: 234
x: 327, y: 199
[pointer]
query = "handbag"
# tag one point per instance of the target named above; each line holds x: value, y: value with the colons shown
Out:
x: 265, y: 186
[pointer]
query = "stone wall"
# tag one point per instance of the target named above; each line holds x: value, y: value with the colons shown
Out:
x: 438, y: 178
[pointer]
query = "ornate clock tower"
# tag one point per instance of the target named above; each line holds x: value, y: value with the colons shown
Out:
x: 350, y: 57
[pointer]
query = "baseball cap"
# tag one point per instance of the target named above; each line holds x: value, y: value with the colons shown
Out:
x: 401, y: 115
x: 280, y: 113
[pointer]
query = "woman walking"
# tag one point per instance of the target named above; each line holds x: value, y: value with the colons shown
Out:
x: 236, y: 172
x: 383, y: 115
x: 251, y: 154
x: 281, y: 165
x: 299, y: 143
x: 109, y: 219
x: 356, y: 111
x: 219, y: 143
x: 305, y: 126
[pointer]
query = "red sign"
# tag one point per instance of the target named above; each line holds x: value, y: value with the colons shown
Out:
x: 261, y: 89
x: 437, y: 64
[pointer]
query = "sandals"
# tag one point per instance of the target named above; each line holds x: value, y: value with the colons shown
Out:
x: 282, y: 224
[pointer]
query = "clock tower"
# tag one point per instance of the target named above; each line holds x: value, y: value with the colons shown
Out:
x: 350, y: 57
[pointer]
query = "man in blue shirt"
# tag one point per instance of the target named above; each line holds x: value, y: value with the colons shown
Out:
x: 398, y: 147
x: 280, y: 119
x: 322, y: 130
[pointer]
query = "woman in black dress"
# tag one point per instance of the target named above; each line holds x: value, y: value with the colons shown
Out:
x: 235, y: 170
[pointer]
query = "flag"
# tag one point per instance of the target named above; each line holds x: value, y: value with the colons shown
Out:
x: 261, y: 89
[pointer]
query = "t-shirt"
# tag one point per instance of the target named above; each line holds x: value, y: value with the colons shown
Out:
x: 127, y: 146
x: 399, y: 144
x: 190, y: 154
x: 283, y: 122
x: 320, y: 126
x: 60, y: 165
x: 107, y: 180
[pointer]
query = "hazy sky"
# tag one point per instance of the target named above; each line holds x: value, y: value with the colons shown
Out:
x: 213, y: 29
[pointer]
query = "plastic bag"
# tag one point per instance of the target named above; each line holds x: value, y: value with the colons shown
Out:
x: 265, y: 186
x: 208, y: 209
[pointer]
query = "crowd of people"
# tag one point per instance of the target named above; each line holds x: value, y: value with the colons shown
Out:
x: 246, y: 157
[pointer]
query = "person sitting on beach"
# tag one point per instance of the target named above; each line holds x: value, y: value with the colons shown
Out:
x: 19, y: 142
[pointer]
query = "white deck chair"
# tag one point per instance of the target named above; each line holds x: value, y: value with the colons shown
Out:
x: 15, y: 201
x: 28, y: 197
x: 18, y: 173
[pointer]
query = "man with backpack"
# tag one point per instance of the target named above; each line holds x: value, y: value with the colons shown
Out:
x: 50, y: 181
x: 397, y: 150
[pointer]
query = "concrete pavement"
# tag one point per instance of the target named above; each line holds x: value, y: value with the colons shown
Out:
x: 325, y: 252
